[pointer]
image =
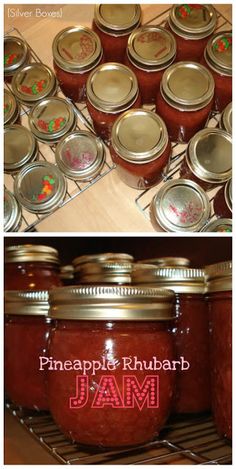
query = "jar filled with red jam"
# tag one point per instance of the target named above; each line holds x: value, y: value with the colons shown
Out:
x: 191, y: 25
x: 218, y: 58
x: 208, y: 159
x: 226, y: 119
x: 31, y: 267
x: 112, y: 88
x: 167, y: 261
x: 34, y: 82
x: 223, y: 201
x: 150, y: 50
x: 11, y: 109
x: 140, y: 148
x: 27, y: 329
x: 219, y: 299
x: 106, y: 272
x: 113, y: 24
x: 16, y: 55
x: 111, y: 326
x: 76, y: 51
x: 185, y: 99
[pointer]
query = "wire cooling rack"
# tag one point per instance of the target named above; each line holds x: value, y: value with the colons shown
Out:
x: 182, y: 441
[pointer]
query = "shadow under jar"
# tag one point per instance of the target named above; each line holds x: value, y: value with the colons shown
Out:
x: 107, y: 325
x: 150, y: 50
x: 219, y: 299
x: 76, y: 51
x: 191, y: 25
x: 113, y: 24
x: 27, y: 329
x: 20, y: 147
x: 33, y: 83
x: 223, y: 201
x: 16, y: 55
x: 185, y: 99
x: 12, y: 212
x: 140, y: 148
x: 11, y: 109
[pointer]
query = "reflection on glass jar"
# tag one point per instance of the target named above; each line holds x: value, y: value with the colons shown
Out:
x: 223, y: 201
x: 16, y: 55
x: 33, y: 83
x: 20, y: 147
x: 12, y: 212
x: 11, y: 109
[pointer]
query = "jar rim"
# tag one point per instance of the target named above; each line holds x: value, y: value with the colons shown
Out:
x: 26, y: 302
x: 20, y: 49
x: 198, y: 23
x: 220, y: 61
x: 31, y: 253
x: 166, y: 261
x: 28, y: 93
x: 101, y: 257
x: 219, y: 277
x: 104, y: 15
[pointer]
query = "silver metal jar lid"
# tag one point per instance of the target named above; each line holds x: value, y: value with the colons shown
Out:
x: 117, y: 272
x: 101, y: 257
x: 187, y: 86
x: 151, y: 47
x: 40, y: 187
x: 31, y: 253
x: 167, y: 261
x: 139, y: 136
x: 26, y: 303
x: 221, y: 225
x: 117, y: 19
x: 192, y: 21
x: 112, y: 88
x: 218, y: 53
x: 67, y: 272
x: 16, y: 54
x: 20, y: 147
x: 209, y: 155
x: 219, y: 277
x: 228, y: 194
x: 33, y: 83
x: 119, y: 303
x: 12, y: 212
x: 226, y: 119
x: 51, y: 119
x: 80, y: 155
x: 11, y: 108
x: 77, y: 49
x: 181, y: 205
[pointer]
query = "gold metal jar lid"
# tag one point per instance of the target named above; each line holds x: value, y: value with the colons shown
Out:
x: 51, y: 119
x: 67, y: 272
x: 218, y: 53
x: 33, y: 83
x: 80, y: 155
x: 187, y: 86
x: 16, y: 54
x: 139, y: 136
x: 209, y: 155
x: 151, y: 48
x: 221, y: 225
x: 11, y: 108
x: 181, y: 205
x: 12, y: 212
x: 117, y: 19
x: 228, y: 194
x: 104, y: 303
x: 219, y: 277
x: 167, y: 261
x: 226, y: 119
x: 20, y: 147
x: 106, y: 272
x: 112, y: 88
x: 77, y: 49
x: 192, y: 21
x: 101, y: 257
x: 31, y: 253
x: 26, y: 303
x: 40, y: 187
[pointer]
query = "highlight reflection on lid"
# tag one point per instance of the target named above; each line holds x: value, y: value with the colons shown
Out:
x: 33, y: 82
x: 16, y: 54
x: 219, y: 277
x: 117, y: 18
x: 193, y: 21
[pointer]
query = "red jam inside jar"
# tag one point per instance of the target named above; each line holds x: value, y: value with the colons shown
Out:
x: 16, y: 55
x: 185, y: 99
x: 223, y: 201
x: 140, y: 148
x: 151, y: 49
x: 76, y: 51
x: 91, y: 332
x: 113, y: 24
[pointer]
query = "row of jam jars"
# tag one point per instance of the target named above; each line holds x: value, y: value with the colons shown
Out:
x: 219, y: 299
x: 106, y: 267
x: 16, y: 56
x: 106, y: 323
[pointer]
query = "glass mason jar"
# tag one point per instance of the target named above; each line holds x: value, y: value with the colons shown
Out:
x: 185, y: 99
x: 226, y: 119
x: 222, y: 225
x: 76, y: 51
x: 11, y: 109
x: 106, y: 272
x: 223, y: 201
x: 16, y: 56
x: 33, y: 83
x: 113, y: 24
x: 218, y: 59
x: 107, y: 325
x: 167, y: 261
x: 219, y: 299
x: 82, y: 262
x: 140, y: 148
x: 208, y: 159
x: 31, y: 267
x: 12, y: 212
x: 191, y: 25
x: 112, y: 88
x: 27, y: 329
x: 189, y: 329
x: 180, y: 205
x: 20, y: 147
x: 151, y: 49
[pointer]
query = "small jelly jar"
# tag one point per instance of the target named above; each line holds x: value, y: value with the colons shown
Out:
x: 208, y: 159
x: 76, y: 51
x: 106, y: 324
x: 189, y: 329
x: 140, y: 148
x: 219, y: 298
x: 150, y: 50
x: 113, y: 24
x: 16, y: 56
x: 12, y: 212
x: 185, y: 99
x: 180, y: 205
x: 222, y: 225
x: 111, y: 89
x: 167, y: 261
x: 191, y: 25
x: 226, y: 119
x: 11, y: 109
x: 218, y: 59
x: 223, y: 201
x: 20, y: 147
x: 31, y: 267
x: 34, y: 82
x: 105, y: 273
x: 27, y: 329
